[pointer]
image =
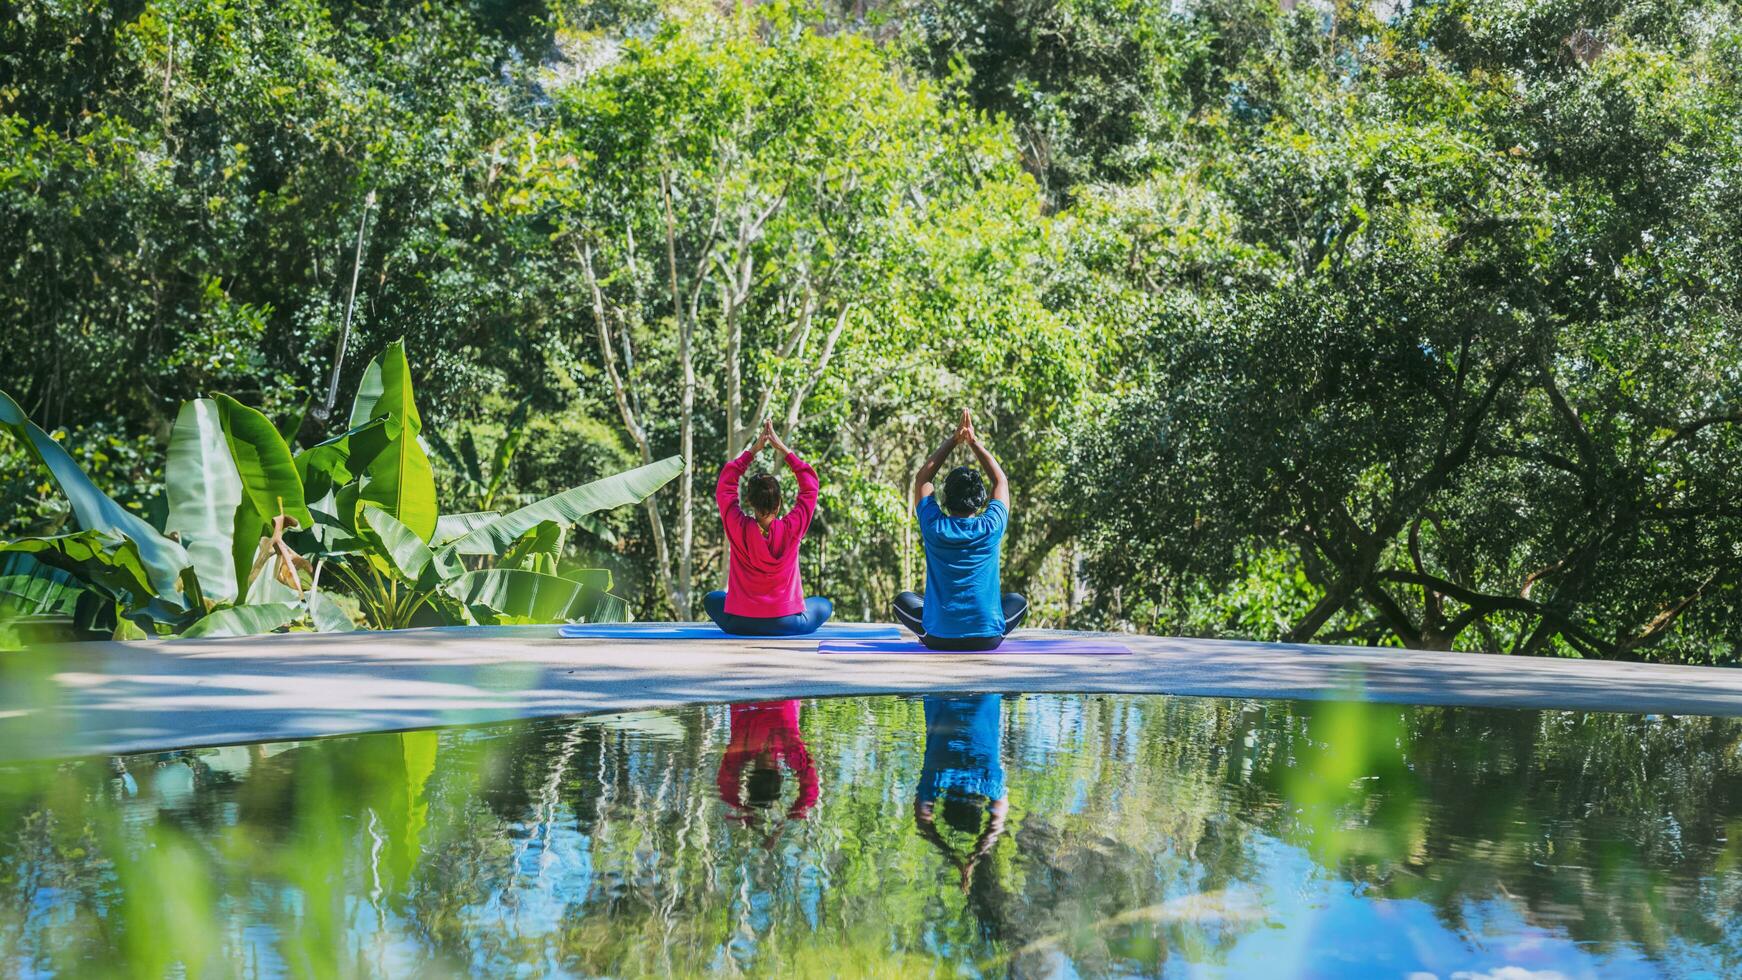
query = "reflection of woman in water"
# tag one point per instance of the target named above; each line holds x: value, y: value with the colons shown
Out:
x: 765, y: 738
x: 963, y: 777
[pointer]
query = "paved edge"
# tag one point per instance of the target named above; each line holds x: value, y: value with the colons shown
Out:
x: 111, y: 697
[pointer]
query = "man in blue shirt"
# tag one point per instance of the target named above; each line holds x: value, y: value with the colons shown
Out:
x: 963, y: 608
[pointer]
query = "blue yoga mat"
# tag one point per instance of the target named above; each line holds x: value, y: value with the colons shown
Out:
x: 1054, y: 646
x: 687, y: 631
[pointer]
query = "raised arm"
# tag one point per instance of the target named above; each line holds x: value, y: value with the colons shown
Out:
x: 922, y: 485
x: 805, y: 507
x: 1000, y: 483
x: 726, y: 488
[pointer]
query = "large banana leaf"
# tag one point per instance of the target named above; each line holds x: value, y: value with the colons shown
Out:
x: 606, y: 608
x: 161, y: 558
x: 269, y: 474
x: 337, y: 461
x: 399, y: 480
x: 503, y: 595
x: 385, y: 391
x: 450, y: 527
x: 30, y: 588
x: 327, y: 472
x: 598, y: 605
x: 270, y: 484
x: 204, y: 491
x: 537, y: 549
x: 326, y: 614
x: 570, y: 506
x: 246, y: 620
x: 405, y: 552
x: 111, y: 565
x: 592, y: 578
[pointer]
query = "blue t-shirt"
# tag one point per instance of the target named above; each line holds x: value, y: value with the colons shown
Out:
x: 962, y: 741
x: 961, y: 570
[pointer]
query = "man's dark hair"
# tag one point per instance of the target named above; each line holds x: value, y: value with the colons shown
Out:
x: 964, y: 491
x: 962, y: 814
x: 762, y: 493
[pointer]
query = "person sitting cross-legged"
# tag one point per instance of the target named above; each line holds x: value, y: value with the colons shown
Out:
x: 963, y: 608
x: 763, y: 595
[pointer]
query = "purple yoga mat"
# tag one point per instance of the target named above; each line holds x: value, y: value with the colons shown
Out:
x: 1053, y: 646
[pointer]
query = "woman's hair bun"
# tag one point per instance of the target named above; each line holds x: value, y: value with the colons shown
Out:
x: 762, y: 492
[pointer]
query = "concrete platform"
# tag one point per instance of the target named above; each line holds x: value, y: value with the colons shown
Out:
x: 99, y: 698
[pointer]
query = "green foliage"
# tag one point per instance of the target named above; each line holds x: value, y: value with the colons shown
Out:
x: 32, y: 589
x: 1470, y: 369
x: 97, y: 561
x: 93, y: 510
x: 148, y: 581
x: 501, y: 596
x: 1297, y: 323
x: 1098, y: 90
x: 125, y: 466
x: 236, y: 492
x: 401, y: 573
x: 476, y: 484
x: 247, y: 620
x: 494, y: 537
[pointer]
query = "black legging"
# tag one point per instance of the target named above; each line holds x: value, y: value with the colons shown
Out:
x: 910, y: 612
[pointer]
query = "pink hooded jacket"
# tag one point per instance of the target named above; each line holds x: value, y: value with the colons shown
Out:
x: 762, y: 576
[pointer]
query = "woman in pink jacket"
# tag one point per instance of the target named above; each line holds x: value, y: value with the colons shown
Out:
x: 763, y: 595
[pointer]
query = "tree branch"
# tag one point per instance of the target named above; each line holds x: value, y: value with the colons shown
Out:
x: 621, y: 393
x: 798, y: 399
x: 1581, y: 437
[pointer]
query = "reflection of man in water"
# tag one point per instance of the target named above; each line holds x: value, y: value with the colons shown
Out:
x: 765, y: 739
x: 963, y: 777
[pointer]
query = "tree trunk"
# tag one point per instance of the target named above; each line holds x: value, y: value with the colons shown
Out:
x: 735, y: 435
x: 622, y: 389
x: 1329, y: 605
x: 686, y: 411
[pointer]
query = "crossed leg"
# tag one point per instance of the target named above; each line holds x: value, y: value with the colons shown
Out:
x: 817, y: 611
x: 910, y: 612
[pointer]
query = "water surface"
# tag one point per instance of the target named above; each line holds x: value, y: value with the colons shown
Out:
x: 1040, y: 835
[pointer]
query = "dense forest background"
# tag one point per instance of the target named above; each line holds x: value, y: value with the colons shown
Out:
x: 1383, y: 323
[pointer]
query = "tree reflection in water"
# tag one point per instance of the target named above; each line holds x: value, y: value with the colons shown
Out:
x: 952, y: 834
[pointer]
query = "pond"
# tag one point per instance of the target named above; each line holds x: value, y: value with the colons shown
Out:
x: 975, y: 835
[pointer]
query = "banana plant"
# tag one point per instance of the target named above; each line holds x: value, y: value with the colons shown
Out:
x: 45, y: 601
x: 378, y: 530
x: 526, y: 583
x: 30, y: 589
x: 245, y: 516
x: 227, y: 470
